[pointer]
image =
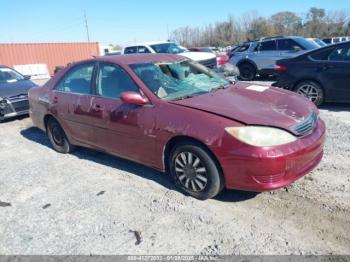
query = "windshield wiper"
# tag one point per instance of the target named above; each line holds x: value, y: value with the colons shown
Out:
x: 217, y: 88
x: 182, y: 97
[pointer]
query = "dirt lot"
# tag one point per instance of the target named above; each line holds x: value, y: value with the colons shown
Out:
x: 93, y: 203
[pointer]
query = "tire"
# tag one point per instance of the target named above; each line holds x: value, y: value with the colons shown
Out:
x: 200, y: 176
x: 247, y: 72
x: 57, y: 137
x: 311, y: 90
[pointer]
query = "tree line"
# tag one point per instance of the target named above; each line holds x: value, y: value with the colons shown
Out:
x: 317, y: 23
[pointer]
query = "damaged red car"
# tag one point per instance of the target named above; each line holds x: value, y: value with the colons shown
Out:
x: 177, y: 116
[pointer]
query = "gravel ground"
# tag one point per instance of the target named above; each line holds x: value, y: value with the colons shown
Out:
x: 92, y: 203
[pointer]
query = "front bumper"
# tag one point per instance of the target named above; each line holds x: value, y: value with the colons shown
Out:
x: 261, y: 169
x: 13, y: 107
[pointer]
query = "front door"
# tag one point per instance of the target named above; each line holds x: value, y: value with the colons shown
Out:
x: 124, y: 129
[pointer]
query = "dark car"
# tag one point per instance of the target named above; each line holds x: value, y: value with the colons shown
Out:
x: 322, y: 75
x: 13, y: 93
x: 173, y: 114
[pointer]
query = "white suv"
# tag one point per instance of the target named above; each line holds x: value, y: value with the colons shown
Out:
x: 207, y: 59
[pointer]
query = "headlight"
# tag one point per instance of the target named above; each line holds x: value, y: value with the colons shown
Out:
x: 261, y: 136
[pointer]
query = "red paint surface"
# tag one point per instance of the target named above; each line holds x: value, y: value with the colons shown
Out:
x: 141, y: 133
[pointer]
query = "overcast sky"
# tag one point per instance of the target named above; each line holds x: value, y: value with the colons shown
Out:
x: 122, y: 22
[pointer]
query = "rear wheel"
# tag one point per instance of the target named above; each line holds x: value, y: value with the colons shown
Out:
x: 57, y: 137
x: 195, y: 171
x: 247, y: 71
x: 311, y: 90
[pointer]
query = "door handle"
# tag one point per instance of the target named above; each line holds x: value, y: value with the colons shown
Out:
x: 326, y: 67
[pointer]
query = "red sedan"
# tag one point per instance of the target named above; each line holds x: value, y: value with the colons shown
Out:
x: 175, y: 115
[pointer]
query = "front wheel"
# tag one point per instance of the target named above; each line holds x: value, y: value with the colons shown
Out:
x: 57, y: 137
x: 312, y: 91
x: 195, y: 171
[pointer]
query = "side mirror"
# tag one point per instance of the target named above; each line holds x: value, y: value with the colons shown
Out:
x: 27, y: 77
x: 133, y: 98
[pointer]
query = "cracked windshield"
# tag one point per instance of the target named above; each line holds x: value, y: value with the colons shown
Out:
x: 178, y: 80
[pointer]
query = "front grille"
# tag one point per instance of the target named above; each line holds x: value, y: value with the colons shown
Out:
x: 22, y: 105
x: 210, y: 63
x: 306, y: 126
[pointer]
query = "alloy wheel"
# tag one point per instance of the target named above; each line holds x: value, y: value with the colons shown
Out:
x: 190, y: 171
x: 309, y: 91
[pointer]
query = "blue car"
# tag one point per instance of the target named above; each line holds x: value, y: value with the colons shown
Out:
x: 13, y: 93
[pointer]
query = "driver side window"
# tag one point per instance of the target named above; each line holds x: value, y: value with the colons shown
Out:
x: 112, y: 80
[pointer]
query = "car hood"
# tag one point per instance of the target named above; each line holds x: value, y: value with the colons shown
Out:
x: 15, y: 88
x: 198, y: 56
x: 254, y: 105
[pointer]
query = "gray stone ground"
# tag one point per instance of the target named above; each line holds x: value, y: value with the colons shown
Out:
x: 92, y: 203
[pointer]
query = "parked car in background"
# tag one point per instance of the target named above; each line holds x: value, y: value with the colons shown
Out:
x: 334, y: 40
x: 259, y: 57
x: 317, y: 41
x: 221, y: 58
x: 322, y: 75
x: 13, y: 93
x: 178, y: 116
x: 163, y: 47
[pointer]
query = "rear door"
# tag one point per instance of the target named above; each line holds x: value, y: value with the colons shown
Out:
x: 336, y: 73
x: 123, y: 129
x: 71, y: 100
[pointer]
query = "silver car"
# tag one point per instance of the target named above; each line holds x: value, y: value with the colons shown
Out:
x: 259, y: 57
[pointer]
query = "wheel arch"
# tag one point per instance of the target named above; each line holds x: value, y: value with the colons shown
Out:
x: 247, y: 61
x: 46, y: 119
x: 305, y: 79
x: 170, y: 145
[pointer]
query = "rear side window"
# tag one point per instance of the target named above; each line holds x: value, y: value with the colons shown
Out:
x: 267, y: 46
x: 340, y: 54
x: 112, y: 80
x: 77, y: 80
x: 143, y: 50
x: 327, y: 40
x: 288, y: 45
x: 130, y: 50
x: 242, y: 48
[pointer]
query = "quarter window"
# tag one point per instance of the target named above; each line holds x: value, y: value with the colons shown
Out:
x: 320, y: 55
x: 77, y: 80
x: 112, y: 81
